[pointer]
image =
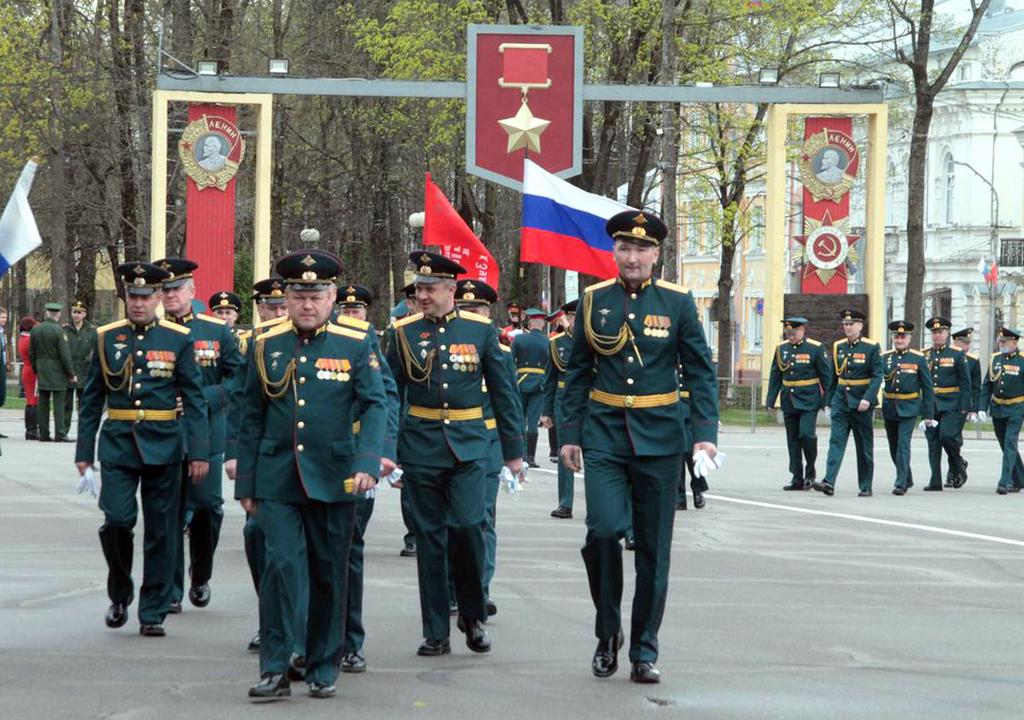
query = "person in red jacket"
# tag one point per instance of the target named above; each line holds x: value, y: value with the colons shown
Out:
x: 28, y: 379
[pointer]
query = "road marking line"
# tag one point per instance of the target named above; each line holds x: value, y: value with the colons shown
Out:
x: 871, y: 520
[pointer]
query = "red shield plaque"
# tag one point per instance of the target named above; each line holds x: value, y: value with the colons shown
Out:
x: 506, y: 64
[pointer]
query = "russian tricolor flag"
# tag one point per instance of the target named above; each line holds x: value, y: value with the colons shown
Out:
x: 18, y: 232
x: 563, y: 226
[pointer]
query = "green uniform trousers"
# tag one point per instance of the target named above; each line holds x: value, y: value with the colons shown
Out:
x: 1007, y: 433
x: 843, y: 421
x: 159, y: 489
x: 946, y: 436
x: 326, y: 530
x: 899, y: 434
x: 652, y: 485
x: 407, y: 518
x: 802, y: 443
x: 493, y: 484
x: 43, y: 413
x: 355, y: 633
x: 252, y: 536
x: 448, y: 507
x: 533, y: 405
x: 566, y: 477
x: 69, y: 407
x: 203, y: 503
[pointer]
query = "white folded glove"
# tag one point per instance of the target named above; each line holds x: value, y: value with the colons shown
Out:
x: 925, y: 424
x: 828, y: 412
x: 982, y: 416
x: 395, y: 478
x: 88, y: 483
x: 703, y: 463
x: 972, y: 417
x: 512, y: 482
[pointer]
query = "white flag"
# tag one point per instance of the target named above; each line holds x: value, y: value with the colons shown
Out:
x: 18, y: 232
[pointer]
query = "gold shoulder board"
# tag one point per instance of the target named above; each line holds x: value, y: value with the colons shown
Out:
x: 598, y: 286
x: 408, y: 320
x: 110, y: 326
x: 174, y: 326
x: 474, y: 317
x: 345, y: 332
x: 353, y: 322
x: 211, y: 318
x: 671, y: 286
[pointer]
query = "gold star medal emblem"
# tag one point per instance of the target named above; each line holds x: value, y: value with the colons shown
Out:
x: 524, y: 130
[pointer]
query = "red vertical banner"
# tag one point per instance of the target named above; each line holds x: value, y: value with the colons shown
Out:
x: 211, y: 149
x: 829, y: 162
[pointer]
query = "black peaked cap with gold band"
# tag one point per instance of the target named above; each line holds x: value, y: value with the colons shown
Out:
x: 180, y: 270
x: 225, y: 299
x: 643, y: 228
x: 142, y: 278
x: 431, y: 267
x: 79, y: 305
x: 852, y: 314
x: 793, y: 321
x: 474, y: 292
x: 309, y: 269
x: 938, y: 323
x: 901, y: 327
x: 963, y: 334
x: 353, y: 295
x: 1009, y: 333
x: 269, y: 291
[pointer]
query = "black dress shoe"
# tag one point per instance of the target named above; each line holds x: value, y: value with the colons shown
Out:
x: 823, y: 487
x: 152, y: 630
x: 698, y: 500
x: 644, y: 672
x: 174, y: 608
x: 433, y: 648
x: 63, y: 438
x: 681, y: 505
x: 199, y: 595
x: 297, y: 668
x: 864, y: 493
x: 562, y: 513
x: 899, y: 491
x: 606, y: 656
x: 117, y: 614
x: 45, y: 438
x: 532, y: 463
x: 933, y: 488
x: 409, y: 550
x: 353, y: 662
x: 2, y: 436
x: 630, y: 542
x: 254, y: 644
x: 477, y: 638
x: 271, y: 687
x: 492, y: 609
x: 322, y: 690
x: 961, y: 477
x: 796, y: 485
x: 1014, y: 489
x: 999, y: 490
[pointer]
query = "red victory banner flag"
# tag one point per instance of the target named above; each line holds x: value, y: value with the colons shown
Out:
x: 443, y: 227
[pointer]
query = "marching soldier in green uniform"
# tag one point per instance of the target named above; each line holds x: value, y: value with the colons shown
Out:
x: 353, y: 302
x: 441, y: 357
x: 621, y: 410
x: 801, y: 373
x: 907, y: 395
x: 857, y: 362
x: 953, y: 399
x: 1003, y: 392
x: 530, y: 351
x: 268, y: 295
x: 301, y: 468
x: 553, y: 416
x: 219, y: 360
x: 962, y: 340
x: 49, y: 352
x: 141, y: 368
x: 226, y: 305
x: 476, y: 296
x: 82, y: 339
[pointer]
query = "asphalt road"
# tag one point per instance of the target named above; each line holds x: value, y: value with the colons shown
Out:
x: 781, y: 605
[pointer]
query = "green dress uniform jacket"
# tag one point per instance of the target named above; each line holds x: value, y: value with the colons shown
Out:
x: 1002, y: 395
x: 136, y: 370
x: 801, y: 372
x: 298, y: 406
x: 953, y: 397
x: 907, y: 395
x: 49, y: 352
x: 82, y: 345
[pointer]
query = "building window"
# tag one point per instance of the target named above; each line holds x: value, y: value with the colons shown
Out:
x: 949, y: 180
x: 692, y: 231
x: 754, y: 324
x: 757, y: 228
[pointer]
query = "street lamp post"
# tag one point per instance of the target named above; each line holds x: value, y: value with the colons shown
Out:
x: 993, y: 249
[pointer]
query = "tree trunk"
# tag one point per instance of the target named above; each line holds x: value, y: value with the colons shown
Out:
x: 917, y: 175
x: 725, y: 369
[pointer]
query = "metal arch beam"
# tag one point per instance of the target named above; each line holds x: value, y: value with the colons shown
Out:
x: 457, y: 90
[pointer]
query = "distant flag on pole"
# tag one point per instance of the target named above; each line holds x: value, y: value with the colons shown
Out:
x: 563, y: 226
x: 989, y: 270
x: 445, y: 228
x: 18, y: 232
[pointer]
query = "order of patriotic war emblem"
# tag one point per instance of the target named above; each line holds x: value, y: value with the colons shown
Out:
x: 211, y: 150
x: 829, y: 164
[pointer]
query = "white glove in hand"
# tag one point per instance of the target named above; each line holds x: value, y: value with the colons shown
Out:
x: 703, y: 463
x: 88, y: 483
x: 982, y: 416
x: 512, y: 483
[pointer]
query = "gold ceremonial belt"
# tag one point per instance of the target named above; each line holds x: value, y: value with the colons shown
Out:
x: 901, y: 396
x: 140, y: 414
x: 800, y: 383
x: 536, y: 371
x: 847, y: 381
x: 426, y: 413
x: 684, y: 394
x: 947, y: 390
x: 491, y: 423
x: 357, y: 426
x: 1008, y: 401
x: 635, y: 401
x: 561, y: 383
